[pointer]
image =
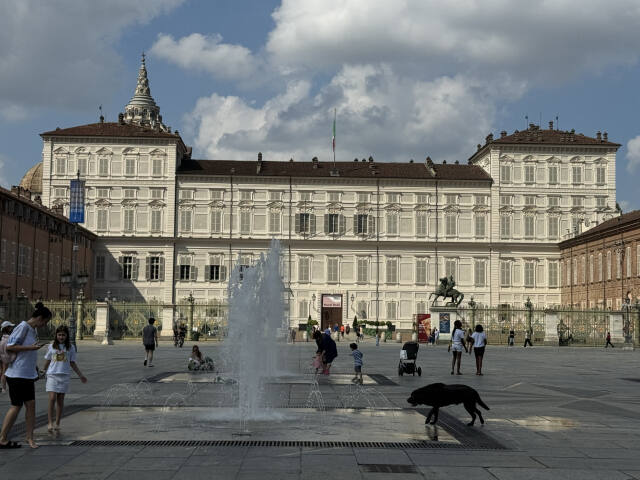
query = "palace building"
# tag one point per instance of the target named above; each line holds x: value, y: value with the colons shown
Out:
x: 365, y: 237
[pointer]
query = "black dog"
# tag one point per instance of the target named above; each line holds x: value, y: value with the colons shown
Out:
x: 439, y: 395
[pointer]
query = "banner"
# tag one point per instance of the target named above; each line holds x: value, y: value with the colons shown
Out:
x: 424, y: 327
x: 332, y: 301
x: 76, y: 201
x: 445, y: 323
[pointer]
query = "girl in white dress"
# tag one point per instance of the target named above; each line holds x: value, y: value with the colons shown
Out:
x: 60, y: 359
x: 456, y: 345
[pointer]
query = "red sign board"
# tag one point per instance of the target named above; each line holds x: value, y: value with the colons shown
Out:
x: 424, y: 327
x: 332, y: 301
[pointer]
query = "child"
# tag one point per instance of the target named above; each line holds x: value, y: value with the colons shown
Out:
x: 357, y: 363
x: 60, y: 359
x: 5, y: 357
x: 199, y: 361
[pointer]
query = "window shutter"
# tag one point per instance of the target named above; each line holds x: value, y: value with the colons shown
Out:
x: 134, y: 269
x: 312, y: 218
x: 355, y: 224
x: 326, y: 223
x: 207, y: 273
x: 193, y: 273
x: 297, y: 223
x: 343, y: 224
x: 223, y: 273
x: 120, y: 269
x: 371, y: 227
x: 147, y: 269
x: 176, y: 271
x: 161, y: 269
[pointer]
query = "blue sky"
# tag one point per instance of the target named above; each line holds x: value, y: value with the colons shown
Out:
x: 408, y: 78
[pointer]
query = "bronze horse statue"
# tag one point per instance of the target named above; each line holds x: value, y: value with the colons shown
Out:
x: 446, y: 290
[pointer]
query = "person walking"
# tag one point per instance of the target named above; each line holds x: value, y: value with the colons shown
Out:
x: 527, y: 338
x: 512, y: 337
x: 342, y: 331
x: 377, y: 339
x: 479, y: 339
x: 150, y: 341
x: 357, y: 363
x: 60, y: 359
x: 436, y: 336
x: 22, y: 374
x: 329, y: 353
x: 456, y: 345
x: 5, y: 357
x: 609, y: 341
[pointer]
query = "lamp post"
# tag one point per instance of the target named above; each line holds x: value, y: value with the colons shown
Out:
x: 636, y: 329
x: 191, y: 300
x: 529, y: 306
x: 626, y: 306
x: 75, y: 282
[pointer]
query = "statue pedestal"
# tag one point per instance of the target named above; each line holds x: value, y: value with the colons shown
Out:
x: 443, y: 317
x: 551, y: 329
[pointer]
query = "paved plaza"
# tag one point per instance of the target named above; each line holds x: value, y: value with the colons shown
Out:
x: 555, y: 413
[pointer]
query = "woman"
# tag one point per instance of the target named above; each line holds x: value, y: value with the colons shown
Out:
x: 457, y: 345
x: 479, y: 342
x: 329, y: 353
x: 199, y: 361
x: 22, y: 374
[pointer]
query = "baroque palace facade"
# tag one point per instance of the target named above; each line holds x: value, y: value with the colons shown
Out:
x: 363, y: 238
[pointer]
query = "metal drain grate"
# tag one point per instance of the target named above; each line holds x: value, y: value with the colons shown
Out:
x: 381, y: 379
x: 388, y: 468
x: 263, y: 443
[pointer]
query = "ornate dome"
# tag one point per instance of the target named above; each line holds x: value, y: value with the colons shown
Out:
x: 32, y: 180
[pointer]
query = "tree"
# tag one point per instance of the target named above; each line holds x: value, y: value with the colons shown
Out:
x: 355, y: 322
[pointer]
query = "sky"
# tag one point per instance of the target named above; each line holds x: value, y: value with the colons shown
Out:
x: 406, y: 79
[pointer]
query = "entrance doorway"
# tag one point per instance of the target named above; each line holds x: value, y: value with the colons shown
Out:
x: 331, y: 313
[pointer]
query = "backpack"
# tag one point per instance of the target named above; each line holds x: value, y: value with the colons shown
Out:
x: 6, y: 357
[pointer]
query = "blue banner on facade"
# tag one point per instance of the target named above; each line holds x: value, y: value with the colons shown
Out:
x: 76, y: 201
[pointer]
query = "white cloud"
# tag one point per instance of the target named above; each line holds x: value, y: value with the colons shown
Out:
x: 61, y: 54
x: 633, y: 154
x: 206, y: 53
x: 4, y: 160
x: 12, y: 113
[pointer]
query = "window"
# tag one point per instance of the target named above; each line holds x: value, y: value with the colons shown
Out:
x: 529, y: 274
x: 361, y: 224
x: 393, y: 197
x: 303, y: 269
x: 273, y: 196
x: 574, y: 271
x: 554, y: 227
x: 591, y: 269
x: 422, y: 199
x: 480, y: 273
x: 333, y: 197
x: 332, y: 223
x: 506, y: 200
x: 505, y: 274
x: 215, y: 271
x: 156, y: 167
x: 185, y: 220
x: 363, y: 198
x: 421, y: 224
x: 450, y: 268
x: 216, y: 221
x: 305, y: 196
x: 392, y: 223
x: 576, y: 174
x: 392, y: 270
x: 102, y: 220
x: 103, y: 166
x: 186, y: 194
x: 529, y: 200
x: 156, y: 220
x: 609, y: 265
x: 61, y: 166
x: 245, y: 221
x: 332, y: 270
x: 421, y: 307
x: 600, y: 267
x: 553, y: 274
x: 127, y: 267
x: 60, y: 192
x: 451, y: 199
x: 577, y: 201
x: 601, y: 173
x: 505, y: 173
x: 529, y: 174
x: 246, y: 195
x: 628, y: 261
x: 505, y: 227
x: 129, y: 166
x: 100, y: 267
x: 553, y: 174
x: 185, y: 272
x: 305, y: 223
x: 153, y: 273
x: 529, y: 226
x: 601, y: 202
x: 129, y: 193
x: 22, y: 260
x: 451, y: 224
x: 129, y: 216
x: 480, y: 225
x: 421, y: 271
x: 363, y: 269
x: 82, y: 165
x: 102, y: 193
x: 392, y: 310
x: 554, y: 201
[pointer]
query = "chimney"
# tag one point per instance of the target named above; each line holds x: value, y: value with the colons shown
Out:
x: 121, y: 118
x: 101, y: 119
x: 370, y: 159
x: 444, y: 162
x: 259, y: 166
x: 355, y: 159
x: 532, y: 126
x: 364, y: 160
x: 259, y: 156
x: 291, y: 160
x: 503, y: 133
x: 489, y: 138
x: 314, y: 160
x: 411, y: 161
x: 430, y: 168
x: 599, y: 136
x: 457, y: 162
x: 479, y: 146
x: 605, y: 136
x: 177, y: 133
x: 551, y: 125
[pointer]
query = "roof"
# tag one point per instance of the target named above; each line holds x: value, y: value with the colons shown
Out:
x: 325, y: 169
x: 535, y: 135
x: 110, y: 129
x: 32, y: 180
x: 624, y: 221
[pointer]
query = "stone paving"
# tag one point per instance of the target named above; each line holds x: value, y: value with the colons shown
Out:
x: 559, y: 412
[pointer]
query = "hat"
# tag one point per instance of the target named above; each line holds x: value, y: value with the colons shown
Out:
x: 6, y: 323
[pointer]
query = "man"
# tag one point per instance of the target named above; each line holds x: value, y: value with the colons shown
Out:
x: 512, y: 337
x: 527, y: 338
x: 150, y: 341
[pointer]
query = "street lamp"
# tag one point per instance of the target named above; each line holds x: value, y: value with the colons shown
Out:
x: 75, y: 281
x: 191, y: 300
x: 626, y: 306
x: 529, y: 306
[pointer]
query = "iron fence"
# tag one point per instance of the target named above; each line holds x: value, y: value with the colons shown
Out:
x: 128, y: 319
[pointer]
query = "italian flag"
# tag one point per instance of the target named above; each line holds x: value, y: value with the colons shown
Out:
x: 333, y: 139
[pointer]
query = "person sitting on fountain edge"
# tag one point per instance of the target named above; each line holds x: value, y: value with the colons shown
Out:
x: 329, y: 352
x: 199, y: 361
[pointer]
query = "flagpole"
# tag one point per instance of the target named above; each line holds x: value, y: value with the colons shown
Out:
x: 334, y: 138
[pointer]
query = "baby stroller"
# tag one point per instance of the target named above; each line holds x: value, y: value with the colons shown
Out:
x: 408, y: 357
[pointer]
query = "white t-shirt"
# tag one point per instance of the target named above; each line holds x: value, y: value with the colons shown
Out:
x: 458, y: 336
x: 479, y: 339
x: 60, y: 359
x: 24, y: 366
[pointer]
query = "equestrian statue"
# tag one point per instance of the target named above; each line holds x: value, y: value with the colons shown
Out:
x: 446, y: 290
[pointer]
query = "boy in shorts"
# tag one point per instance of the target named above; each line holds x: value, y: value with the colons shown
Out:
x: 357, y: 363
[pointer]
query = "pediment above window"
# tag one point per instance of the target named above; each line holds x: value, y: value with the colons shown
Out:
x: 61, y: 151
x: 421, y: 208
x: 186, y: 202
x: 156, y: 152
x: 555, y: 210
x: 128, y: 202
x: 245, y: 204
x: 392, y: 207
x: 104, y: 151
x: 507, y: 209
x: 103, y: 203
x: 157, y: 203
x: 451, y: 209
x: 480, y: 209
x: 81, y: 150
x: 130, y: 151
x: 216, y: 204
